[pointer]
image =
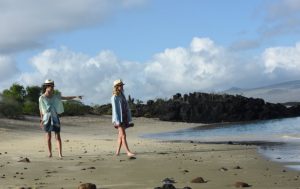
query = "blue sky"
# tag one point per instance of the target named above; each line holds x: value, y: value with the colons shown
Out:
x: 138, y: 33
x: 161, y: 47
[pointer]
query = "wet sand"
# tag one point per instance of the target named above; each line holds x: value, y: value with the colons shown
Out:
x: 89, y: 144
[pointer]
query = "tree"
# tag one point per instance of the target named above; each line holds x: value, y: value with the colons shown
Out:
x: 33, y: 93
x: 16, y: 92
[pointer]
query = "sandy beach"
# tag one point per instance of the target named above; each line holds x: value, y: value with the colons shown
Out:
x: 89, y: 144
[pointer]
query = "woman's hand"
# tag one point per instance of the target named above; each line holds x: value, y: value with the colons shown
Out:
x: 41, y: 124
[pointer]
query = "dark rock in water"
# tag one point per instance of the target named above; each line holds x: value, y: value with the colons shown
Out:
x: 241, y: 185
x: 168, y: 186
x: 87, y: 186
x: 198, y: 180
x: 186, y: 187
x: 157, y: 188
x: 24, y: 188
x: 230, y: 142
x: 26, y: 160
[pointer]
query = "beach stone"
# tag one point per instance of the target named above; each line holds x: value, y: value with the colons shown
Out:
x: 237, y: 167
x: 198, y: 180
x: 132, y: 158
x: 186, y: 187
x: 168, y: 181
x: 223, y: 169
x: 87, y: 186
x: 168, y: 186
x: 241, y: 185
x: 25, y: 160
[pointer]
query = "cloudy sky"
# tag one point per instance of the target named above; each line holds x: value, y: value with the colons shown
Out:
x: 157, y: 47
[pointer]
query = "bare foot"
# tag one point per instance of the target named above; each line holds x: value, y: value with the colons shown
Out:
x: 50, y: 155
x: 60, y: 156
x: 130, y: 154
x: 117, y: 153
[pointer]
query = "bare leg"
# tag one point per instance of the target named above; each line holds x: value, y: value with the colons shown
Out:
x: 122, y: 134
x: 119, y: 143
x: 48, y: 139
x: 59, y: 145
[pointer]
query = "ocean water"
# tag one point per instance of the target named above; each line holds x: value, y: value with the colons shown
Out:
x: 279, y: 139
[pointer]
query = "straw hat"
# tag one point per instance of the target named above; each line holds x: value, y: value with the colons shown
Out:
x: 118, y: 82
x: 49, y: 82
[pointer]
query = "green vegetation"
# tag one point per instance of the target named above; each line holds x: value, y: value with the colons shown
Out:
x: 18, y: 101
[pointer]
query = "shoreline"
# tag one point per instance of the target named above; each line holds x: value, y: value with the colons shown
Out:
x: 88, y: 146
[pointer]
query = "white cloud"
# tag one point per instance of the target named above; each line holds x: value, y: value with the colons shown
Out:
x: 27, y: 24
x: 285, y: 58
x: 203, y: 66
x: 200, y: 67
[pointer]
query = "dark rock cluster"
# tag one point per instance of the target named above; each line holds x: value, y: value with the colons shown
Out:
x: 212, y: 108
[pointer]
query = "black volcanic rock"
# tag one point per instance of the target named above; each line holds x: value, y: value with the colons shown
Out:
x: 212, y: 108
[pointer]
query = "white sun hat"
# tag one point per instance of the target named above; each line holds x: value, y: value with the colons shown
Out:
x: 49, y: 82
x: 118, y: 82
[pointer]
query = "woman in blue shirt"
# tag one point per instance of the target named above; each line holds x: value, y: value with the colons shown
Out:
x: 51, y: 106
x: 121, y: 115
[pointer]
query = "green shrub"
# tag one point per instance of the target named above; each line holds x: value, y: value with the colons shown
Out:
x: 10, y: 108
x: 73, y: 108
x: 102, y: 110
x: 31, y: 108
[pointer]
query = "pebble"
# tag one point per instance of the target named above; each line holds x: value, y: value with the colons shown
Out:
x: 87, y: 186
x: 198, y: 180
x: 241, y: 185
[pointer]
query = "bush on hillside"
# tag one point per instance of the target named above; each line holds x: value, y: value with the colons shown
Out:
x: 10, y: 108
x: 73, y: 108
x: 30, y: 108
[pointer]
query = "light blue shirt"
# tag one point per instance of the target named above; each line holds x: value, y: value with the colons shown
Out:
x: 50, y: 107
x: 117, y: 118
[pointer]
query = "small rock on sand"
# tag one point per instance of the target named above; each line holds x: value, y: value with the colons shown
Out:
x: 168, y: 186
x: 241, y: 185
x: 223, y: 169
x: 168, y: 181
x: 237, y: 167
x: 87, y: 186
x: 198, y: 180
x: 26, y: 160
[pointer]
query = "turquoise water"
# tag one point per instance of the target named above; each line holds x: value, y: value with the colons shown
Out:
x: 280, y: 137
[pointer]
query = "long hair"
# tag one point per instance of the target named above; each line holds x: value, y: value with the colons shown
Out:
x: 43, y: 88
x: 116, y: 91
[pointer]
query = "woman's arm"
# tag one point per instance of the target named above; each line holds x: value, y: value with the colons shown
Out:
x: 41, y: 120
x: 70, y: 97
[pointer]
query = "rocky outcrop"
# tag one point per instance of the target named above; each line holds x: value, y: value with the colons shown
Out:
x: 212, y: 108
